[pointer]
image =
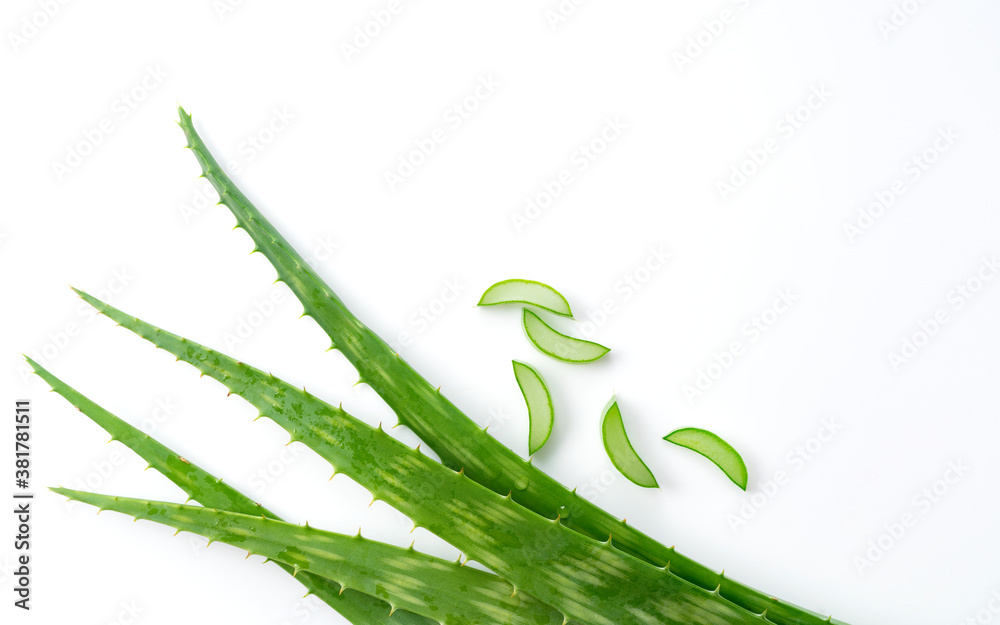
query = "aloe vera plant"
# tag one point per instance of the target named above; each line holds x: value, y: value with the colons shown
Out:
x: 457, y: 440
x: 539, y: 538
x: 444, y: 591
x: 586, y: 580
x: 358, y: 607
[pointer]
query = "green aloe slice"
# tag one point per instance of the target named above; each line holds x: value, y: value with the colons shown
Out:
x: 620, y: 449
x: 518, y: 291
x: 539, y: 402
x: 715, y: 449
x: 557, y: 345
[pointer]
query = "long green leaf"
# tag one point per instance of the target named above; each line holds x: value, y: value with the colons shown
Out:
x: 212, y: 492
x: 446, y: 591
x: 459, y: 442
x: 585, y: 579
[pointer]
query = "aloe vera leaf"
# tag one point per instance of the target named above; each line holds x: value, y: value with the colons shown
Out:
x: 715, y: 449
x: 518, y: 291
x: 457, y: 440
x: 620, y: 449
x: 557, y: 345
x: 448, y: 592
x: 212, y: 492
x: 586, y: 580
x: 539, y: 402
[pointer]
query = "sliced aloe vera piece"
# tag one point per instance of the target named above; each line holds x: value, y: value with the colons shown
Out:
x: 539, y: 402
x: 620, y: 449
x: 518, y: 291
x: 715, y: 449
x: 557, y: 345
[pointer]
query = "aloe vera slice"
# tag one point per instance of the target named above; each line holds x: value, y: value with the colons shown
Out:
x: 539, y: 402
x: 715, y: 449
x: 620, y: 449
x: 518, y: 291
x: 557, y: 345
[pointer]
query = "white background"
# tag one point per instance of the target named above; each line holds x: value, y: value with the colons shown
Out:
x: 131, y: 217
